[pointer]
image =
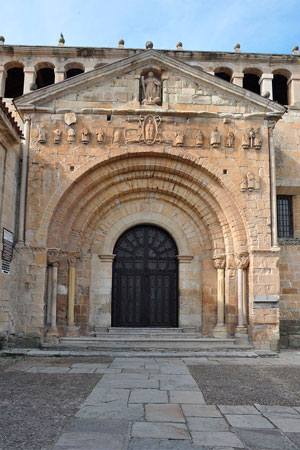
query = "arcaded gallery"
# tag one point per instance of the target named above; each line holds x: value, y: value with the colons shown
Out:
x: 149, y: 198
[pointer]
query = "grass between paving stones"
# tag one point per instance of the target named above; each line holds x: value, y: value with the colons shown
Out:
x: 245, y: 385
x: 34, y: 408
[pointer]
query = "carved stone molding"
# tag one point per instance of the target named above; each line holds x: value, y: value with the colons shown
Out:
x: 107, y: 257
x: 185, y: 259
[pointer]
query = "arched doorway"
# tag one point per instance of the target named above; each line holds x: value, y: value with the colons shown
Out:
x: 145, y: 279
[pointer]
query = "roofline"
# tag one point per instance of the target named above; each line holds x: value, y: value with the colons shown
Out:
x: 10, y: 117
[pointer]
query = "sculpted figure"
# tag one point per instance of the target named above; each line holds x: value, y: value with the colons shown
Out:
x: 57, y: 136
x: 215, y: 139
x: 117, y: 137
x: 42, y: 135
x: 71, y: 135
x: 251, y: 137
x: 257, y: 139
x: 151, y: 89
x: 149, y: 130
x: 100, y: 136
x: 85, y: 136
x: 251, y: 181
x: 179, y: 138
x: 199, y: 139
x: 229, y: 141
x: 246, y: 140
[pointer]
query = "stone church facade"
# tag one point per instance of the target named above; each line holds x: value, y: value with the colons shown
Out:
x: 146, y: 194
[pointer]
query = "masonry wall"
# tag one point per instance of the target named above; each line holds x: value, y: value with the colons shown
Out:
x: 9, y: 179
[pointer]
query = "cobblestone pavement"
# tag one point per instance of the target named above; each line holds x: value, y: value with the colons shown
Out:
x: 155, y: 403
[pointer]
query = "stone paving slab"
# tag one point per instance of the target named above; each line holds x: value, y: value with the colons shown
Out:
x: 289, y: 425
x: 164, y: 413
x: 148, y: 396
x: 111, y: 396
x: 107, y: 411
x: 190, y: 397
x: 162, y: 444
x: 295, y: 438
x: 207, y: 424
x: 160, y: 430
x: 217, y: 439
x: 264, y: 440
x: 110, y: 426
x: 181, y: 382
x: 90, y: 441
x: 200, y: 411
x: 248, y: 421
x: 277, y: 409
x: 239, y: 409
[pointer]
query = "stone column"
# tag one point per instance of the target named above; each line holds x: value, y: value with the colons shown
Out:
x: 186, y: 277
x: 237, y: 78
x: 274, y: 236
x: 242, y: 262
x: 3, y: 75
x: 23, y: 187
x: 53, y: 261
x: 294, y: 90
x: 266, y: 85
x: 220, y: 329
x: 29, y: 78
x: 72, y: 330
x: 59, y: 75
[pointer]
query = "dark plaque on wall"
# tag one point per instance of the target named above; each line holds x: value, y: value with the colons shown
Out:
x: 7, y: 251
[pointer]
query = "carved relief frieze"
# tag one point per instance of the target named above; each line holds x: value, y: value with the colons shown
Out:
x: 178, y: 140
x: 250, y: 183
x: 118, y: 136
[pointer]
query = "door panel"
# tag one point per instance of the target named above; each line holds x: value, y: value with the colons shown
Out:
x: 145, y: 279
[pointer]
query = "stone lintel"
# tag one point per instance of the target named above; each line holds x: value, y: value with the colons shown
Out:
x: 185, y: 259
x: 107, y: 257
x: 265, y: 301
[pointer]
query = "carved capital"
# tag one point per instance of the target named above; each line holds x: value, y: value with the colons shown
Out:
x: 241, y: 260
x: 219, y: 262
x: 72, y: 259
x: 53, y: 256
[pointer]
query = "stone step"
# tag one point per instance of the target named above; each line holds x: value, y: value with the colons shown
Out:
x: 140, y: 330
x: 135, y: 343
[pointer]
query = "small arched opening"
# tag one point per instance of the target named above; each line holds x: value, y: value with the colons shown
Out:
x: 44, y: 75
x: 280, y: 87
x: 14, y: 81
x: 73, y: 69
x: 251, y: 80
x: 224, y: 73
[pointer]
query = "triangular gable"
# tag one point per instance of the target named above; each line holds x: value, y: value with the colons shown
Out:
x: 147, y: 59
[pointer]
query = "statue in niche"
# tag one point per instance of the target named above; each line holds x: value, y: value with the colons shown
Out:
x: 42, y: 135
x: 151, y: 89
x: 117, y: 136
x: 215, y: 139
x: 71, y: 136
x: 178, y: 139
x: 257, y: 140
x: 199, y: 139
x: 57, y: 136
x: 85, y: 136
x: 100, y: 136
x: 229, y: 140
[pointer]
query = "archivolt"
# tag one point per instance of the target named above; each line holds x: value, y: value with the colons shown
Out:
x: 189, y: 182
